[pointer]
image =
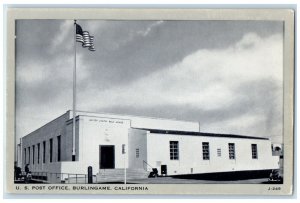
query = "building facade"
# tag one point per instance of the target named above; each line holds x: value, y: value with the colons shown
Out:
x: 111, y: 142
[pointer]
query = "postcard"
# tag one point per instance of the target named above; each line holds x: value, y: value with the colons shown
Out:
x: 150, y: 101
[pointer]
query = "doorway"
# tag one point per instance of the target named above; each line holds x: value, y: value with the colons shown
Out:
x: 107, y: 156
x: 163, y: 170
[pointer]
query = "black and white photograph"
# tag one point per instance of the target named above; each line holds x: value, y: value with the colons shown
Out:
x: 106, y: 102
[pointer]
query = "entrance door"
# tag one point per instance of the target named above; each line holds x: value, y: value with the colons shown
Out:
x: 107, y: 156
x: 163, y: 170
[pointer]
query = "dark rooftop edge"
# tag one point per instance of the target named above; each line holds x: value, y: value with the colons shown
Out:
x: 175, y: 132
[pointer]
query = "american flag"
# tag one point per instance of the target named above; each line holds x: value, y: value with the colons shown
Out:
x: 85, y: 38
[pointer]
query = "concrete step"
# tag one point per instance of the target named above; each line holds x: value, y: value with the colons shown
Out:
x: 108, y: 175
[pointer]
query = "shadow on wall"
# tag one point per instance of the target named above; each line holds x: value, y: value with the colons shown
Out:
x: 227, y: 176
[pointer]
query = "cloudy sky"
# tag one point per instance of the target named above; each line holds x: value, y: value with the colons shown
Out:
x: 227, y: 75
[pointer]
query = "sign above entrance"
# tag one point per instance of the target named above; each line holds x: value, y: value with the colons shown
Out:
x: 125, y: 123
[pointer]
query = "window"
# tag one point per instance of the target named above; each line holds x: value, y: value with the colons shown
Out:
x: 174, y: 151
x: 58, y: 148
x: 219, y: 152
x: 28, y: 155
x: 123, y: 149
x: 25, y: 156
x: 44, y: 152
x: 33, y: 151
x: 231, y: 149
x: 137, y: 153
x: 205, y: 150
x: 38, y: 155
x: 51, y: 149
x: 254, y: 151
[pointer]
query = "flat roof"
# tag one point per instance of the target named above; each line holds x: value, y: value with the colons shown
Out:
x: 174, y: 132
x: 126, y: 116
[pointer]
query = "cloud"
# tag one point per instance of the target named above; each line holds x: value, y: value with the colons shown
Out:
x: 210, y: 80
x: 214, y: 72
x: 25, y: 75
x: 37, y: 74
x: 133, y: 34
x: 61, y: 36
x: 204, y: 79
x: 123, y: 55
x: 149, y: 28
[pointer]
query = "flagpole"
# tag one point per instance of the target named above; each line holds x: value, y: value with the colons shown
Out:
x: 74, y: 96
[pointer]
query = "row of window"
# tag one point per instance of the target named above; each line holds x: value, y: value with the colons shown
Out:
x: 174, y: 151
x: 27, y: 152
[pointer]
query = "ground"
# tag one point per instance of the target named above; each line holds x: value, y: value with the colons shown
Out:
x: 170, y: 180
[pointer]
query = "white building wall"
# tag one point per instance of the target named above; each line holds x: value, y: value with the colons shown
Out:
x: 190, y: 154
x: 150, y: 123
x: 51, y: 130
x: 67, y: 140
x: 19, y: 155
x: 92, y: 131
x: 137, y: 140
x: 110, y: 129
x: 96, y: 131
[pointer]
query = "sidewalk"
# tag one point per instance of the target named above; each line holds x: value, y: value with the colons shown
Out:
x: 170, y: 180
